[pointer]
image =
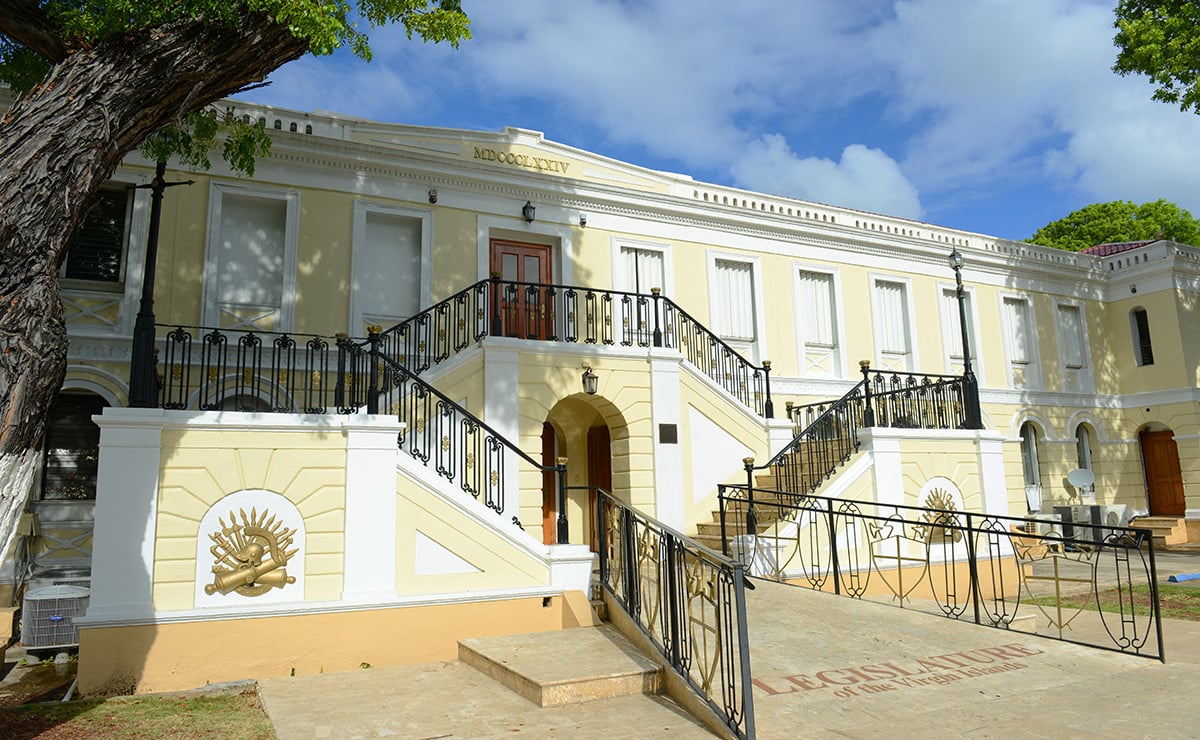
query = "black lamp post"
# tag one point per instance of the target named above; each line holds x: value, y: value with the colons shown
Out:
x: 143, y: 384
x: 974, y: 415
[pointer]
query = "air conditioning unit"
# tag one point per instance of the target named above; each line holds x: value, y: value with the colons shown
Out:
x: 48, y: 616
x: 1044, y: 524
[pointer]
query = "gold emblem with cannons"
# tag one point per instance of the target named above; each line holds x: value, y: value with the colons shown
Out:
x: 250, y: 556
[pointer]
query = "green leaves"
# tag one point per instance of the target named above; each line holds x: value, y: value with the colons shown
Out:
x: 1161, y: 39
x: 1119, y: 221
x: 191, y: 140
x: 325, y: 25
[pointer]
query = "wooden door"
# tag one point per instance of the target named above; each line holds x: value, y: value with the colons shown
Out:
x: 1164, y: 480
x: 524, y: 309
x: 549, y: 487
x: 599, y: 475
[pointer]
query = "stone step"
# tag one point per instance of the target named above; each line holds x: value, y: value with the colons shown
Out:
x: 563, y: 667
x: 1164, y: 530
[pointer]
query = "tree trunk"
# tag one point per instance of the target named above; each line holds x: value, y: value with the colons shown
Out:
x: 58, y: 145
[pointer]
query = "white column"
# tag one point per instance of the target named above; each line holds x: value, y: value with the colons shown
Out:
x: 669, y: 505
x: 126, y: 511
x: 991, y: 474
x: 501, y: 390
x: 369, y: 572
x: 884, y: 449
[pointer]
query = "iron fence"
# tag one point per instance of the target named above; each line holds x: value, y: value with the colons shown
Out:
x: 245, y: 371
x: 688, y: 600
x: 1097, y: 586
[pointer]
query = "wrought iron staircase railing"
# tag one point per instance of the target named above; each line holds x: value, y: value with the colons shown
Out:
x: 576, y: 315
x: 440, y: 433
x: 828, y: 431
x: 1094, y: 586
x: 260, y: 371
x: 688, y: 600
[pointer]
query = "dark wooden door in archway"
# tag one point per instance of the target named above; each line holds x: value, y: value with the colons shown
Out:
x: 549, y: 487
x: 1164, y: 479
x: 599, y: 475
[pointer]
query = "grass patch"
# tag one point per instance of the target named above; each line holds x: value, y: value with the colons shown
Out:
x: 1175, y: 602
x: 143, y: 717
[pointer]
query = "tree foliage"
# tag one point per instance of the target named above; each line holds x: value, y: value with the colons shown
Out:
x: 1119, y: 221
x: 1161, y: 39
x: 96, y: 79
x: 324, y: 26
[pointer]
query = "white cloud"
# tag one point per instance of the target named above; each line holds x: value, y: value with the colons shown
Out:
x: 855, y: 103
x: 866, y: 179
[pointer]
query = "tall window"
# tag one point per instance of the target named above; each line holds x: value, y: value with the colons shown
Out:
x: 1083, y: 447
x: 388, y: 269
x: 1143, y: 351
x: 817, y: 322
x: 641, y: 269
x: 952, y: 328
x: 734, y: 314
x: 71, y: 451
x: 1073, y: 347
x: 1029, y: 455
x: 1020, y: 341
x: 892, y: 328
x: 1071, y: 342
x: 97, y: 253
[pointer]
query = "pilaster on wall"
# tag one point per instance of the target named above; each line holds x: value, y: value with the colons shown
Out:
x: 667, y: 409
x: 501, y: 404
x: 371, y: 458
x: 126, y: 512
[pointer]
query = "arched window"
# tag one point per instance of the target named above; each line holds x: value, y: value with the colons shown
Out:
x: 1029, y: 455
x: 71, y: 449
x: 1143, y: 351
x: 1083, y: 446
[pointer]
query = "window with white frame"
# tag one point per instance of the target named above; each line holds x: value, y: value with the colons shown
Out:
x: 251, y: 262
x: 817, y: 322
x: 734, y: 312
x: 97, y: 253
x: 1029, y: 455
x: 1083, y: 447
x: 1073, y: 346
x: 641, y: 268
x: 893, y: 329
x: 1020, y: 341
x: 390, y: 265
x: 952, y: 328
x: 1143, y: 348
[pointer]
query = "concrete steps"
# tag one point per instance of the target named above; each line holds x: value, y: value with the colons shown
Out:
x: 1164, y: 530
x: 563, y: 667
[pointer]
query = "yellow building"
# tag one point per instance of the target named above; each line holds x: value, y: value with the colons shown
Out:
x: 509, y: 272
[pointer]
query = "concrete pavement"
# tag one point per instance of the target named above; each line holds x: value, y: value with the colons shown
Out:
x: 824, y: 666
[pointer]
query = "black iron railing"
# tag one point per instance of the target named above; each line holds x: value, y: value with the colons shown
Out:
x: 689, y: 601
x: 828, y: 431
x: 214, y: 369
x: 564, y: 313
x: 440, y: 433
x: 989, y: 569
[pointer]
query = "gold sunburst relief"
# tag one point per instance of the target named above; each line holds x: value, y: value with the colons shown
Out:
x: 250, y: 556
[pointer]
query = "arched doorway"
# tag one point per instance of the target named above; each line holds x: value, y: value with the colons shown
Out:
x: 583, y: 430
x: 1164, y: 479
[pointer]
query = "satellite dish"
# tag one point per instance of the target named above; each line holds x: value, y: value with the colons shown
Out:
x: 1081, y: 477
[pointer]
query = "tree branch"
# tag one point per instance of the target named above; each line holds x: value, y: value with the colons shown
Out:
x: 24, y: 21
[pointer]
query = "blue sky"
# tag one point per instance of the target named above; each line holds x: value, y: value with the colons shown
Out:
x: 994, y: 116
